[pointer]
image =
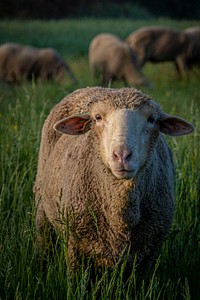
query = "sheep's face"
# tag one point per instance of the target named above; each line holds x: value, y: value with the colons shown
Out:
x: 125, y: 137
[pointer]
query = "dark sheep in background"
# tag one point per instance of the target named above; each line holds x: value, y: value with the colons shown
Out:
x: 161, y: 44
x: 18, y: 62
x: 194, y: 34
x: 194, y: 31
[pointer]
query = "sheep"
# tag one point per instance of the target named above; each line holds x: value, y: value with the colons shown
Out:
x: 194, y: 34
x: 194, y: 31
x: 18, y: 62
x: 160, y: 44
x: 114, y: 59
x: 105, y: 174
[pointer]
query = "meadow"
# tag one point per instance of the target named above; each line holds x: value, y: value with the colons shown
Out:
x: 23, y: 109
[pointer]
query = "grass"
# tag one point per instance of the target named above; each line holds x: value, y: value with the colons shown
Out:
x: 22, y: 112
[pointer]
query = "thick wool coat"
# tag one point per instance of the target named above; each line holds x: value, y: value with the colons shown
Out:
x: 75, y: 191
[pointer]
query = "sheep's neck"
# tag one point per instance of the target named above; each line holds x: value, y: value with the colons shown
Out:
x: 119, y: 204
x: 114, y: 201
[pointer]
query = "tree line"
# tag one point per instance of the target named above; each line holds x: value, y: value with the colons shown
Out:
x: 56, y: 9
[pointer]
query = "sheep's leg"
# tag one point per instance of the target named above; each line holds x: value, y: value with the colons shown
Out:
x: 106, y: 78
x: 45, y: 234
x: 141, y: 58
x: 40, y: 223
x: 180, y: 65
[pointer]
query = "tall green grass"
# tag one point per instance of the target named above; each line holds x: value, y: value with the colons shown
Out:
x: 23, y: 110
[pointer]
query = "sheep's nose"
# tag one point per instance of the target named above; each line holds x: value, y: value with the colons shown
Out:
x: 122, y: 156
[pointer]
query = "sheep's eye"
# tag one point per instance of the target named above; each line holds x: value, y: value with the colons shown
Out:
x: 151, y: 119
x: 98, y: 117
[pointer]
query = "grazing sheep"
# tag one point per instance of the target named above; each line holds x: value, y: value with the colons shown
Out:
x: 18, y: 62
x: 105, y: 174
x: 160, y: 44
x: 194, y: 34
x: 194, y: 31
x: 114, y: 59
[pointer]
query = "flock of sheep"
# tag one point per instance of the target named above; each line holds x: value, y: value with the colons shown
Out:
x: 105, y: 172
x: 118, y: 59
x: 109, y: 56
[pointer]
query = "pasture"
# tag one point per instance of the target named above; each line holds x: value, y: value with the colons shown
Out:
x: 23, y: 109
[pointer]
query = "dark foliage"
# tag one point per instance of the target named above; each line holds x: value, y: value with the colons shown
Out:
x: 179, y: 9
x: 55, y: 9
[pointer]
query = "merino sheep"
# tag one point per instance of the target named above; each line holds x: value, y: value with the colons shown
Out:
x: 18, y: 62
x: 160, y: 44
x: 106, y: 174
x: 114, y: 59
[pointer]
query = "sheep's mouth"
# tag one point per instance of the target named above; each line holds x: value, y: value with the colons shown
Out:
x: 123, y: 173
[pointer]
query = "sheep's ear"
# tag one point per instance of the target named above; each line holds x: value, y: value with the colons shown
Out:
x: 74, y: 125
x: 175, y: 126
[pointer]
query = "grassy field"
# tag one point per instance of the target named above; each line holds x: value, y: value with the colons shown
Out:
x: 22, y: 112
